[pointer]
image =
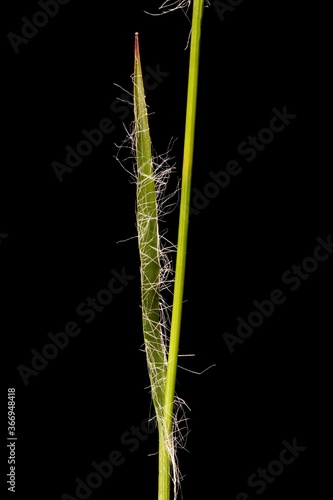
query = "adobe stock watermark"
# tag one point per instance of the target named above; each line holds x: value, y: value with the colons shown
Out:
x: 3, y: 236
x: 30, y: 27
x: 94, y: 137
x: 259, y: 480
x: 247, y: 149
x: 292, y: 278
x: 223, y: 8
x: 100, y: 471
x: 88, y: 309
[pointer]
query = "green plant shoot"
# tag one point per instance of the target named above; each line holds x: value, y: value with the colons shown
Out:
x: 150, y: 266
x: 162, y: 366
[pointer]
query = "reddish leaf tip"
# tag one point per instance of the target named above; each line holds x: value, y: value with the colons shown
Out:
x: 136, y: 44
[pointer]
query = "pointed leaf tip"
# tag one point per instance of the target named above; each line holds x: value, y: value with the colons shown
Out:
x: 136, y: 44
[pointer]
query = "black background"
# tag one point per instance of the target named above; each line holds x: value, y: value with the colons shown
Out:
x: 63, y: 241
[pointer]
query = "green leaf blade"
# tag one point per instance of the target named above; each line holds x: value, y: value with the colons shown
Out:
x: 148, y: 240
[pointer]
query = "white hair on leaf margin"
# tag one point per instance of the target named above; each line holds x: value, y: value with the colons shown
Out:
x: 172, y: 5
x: 167, y: 200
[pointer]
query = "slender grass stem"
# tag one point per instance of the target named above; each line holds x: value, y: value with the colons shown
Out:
x: 182, y: 236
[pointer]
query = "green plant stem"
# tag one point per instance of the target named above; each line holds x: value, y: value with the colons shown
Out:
x: 164, y: 473
x: 163, y: 465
